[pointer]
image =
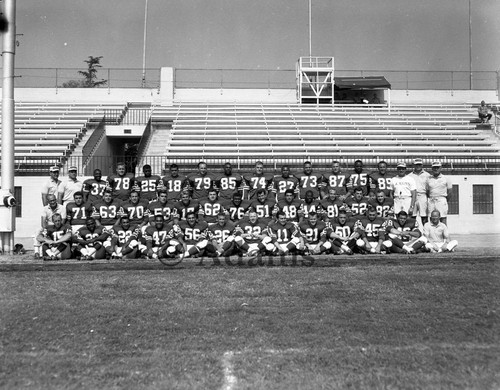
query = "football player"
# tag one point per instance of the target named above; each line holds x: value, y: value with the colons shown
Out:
x: 77, y: 212
x: 228, y: 182
x: 148, y: 183
x: 174, y: 183
x: 343, y: 234
x: 210, y: 207
x: 264, y: 207
x: 286, y: 181
x: 257, y: 180
x: 403, y: 234
x: 383, y: 205
x: 162, y: 206
x: 313, y: 236
x: 380, y: 180
x: 358, y: 179
x: 93, y: 189
x: 124, y: 241
x: 358, y: 203
x: 330, y: 206
x: 56, y: 240
x: 237, y: 207
x: 284, y: 235
x: 221, y: 237
x: 290, y: 206
x: 308, y: 205
x: 90, y: 239
x: 200, y: 182
x: 136, y: 209
x: 369, y: 228
x: 162, y: 240
x: 334, y: 180
x: 309, y: 181
x: 107, y: 210
x: 186, y: 205
x: 194, y: 235
x: 251, y: 235
x: 121, y: 182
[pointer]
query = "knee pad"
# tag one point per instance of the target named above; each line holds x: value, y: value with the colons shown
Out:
x: 422, y: 239
x: 387, y: 243
x: 392, y: 235
x: 91, y: 251
x: 133, y: 243
x: 239, y: 240
x: 106, y: 244
x: 142, y: 248
x: 230, y: 239
x: 267, y: 240
x: 269, y: 246
x: 360, y: 242
x: 327, y: 245
x: 295, y: 241
x: 171, y: 250
x: 202, y: 244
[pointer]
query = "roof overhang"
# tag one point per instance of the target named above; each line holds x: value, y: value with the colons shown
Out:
x: 362, y: 83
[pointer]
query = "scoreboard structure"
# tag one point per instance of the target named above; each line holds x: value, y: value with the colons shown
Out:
x: 315, y: 80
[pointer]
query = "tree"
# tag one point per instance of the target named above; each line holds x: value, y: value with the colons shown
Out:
x: 89, y: 76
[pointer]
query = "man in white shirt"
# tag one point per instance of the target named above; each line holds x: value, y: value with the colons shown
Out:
x: 437, y: 236
x: 51, y: 186
x: 69, y: 186
x: 420, y: 176
x: 403, y: 190
x: 438, y: 189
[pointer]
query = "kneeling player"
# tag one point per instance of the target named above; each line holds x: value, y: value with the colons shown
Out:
x: 369, y: 227
x: 343, y: 234
x: 221, y: 237
x: 90, y: 239
x: 124, y: 241
x: 56, y: 240
x: 252, y: 235
x: 284, y: 236
x: 194, y: 235
x: 403, y: 233
x: 313, y: 235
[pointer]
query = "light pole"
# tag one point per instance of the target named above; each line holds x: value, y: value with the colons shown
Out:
x: 470, y: 47
x: 310, y: 28
x: 143, y: 84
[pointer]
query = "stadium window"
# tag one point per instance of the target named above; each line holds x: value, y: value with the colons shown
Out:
x: 18, y: 194
x: 454, y: 201
x: 482, y: 199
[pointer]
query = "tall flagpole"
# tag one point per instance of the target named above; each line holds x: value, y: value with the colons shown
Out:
x: 470, y: 46
x: 144, y: 45
x: 310, y: 28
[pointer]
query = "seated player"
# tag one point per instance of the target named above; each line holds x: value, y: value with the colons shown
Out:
x: 56, y: 240
x: 403, y: 234
x: 124, y: 241
x: 330, y: 206
x: 343, y: 234
x: 221, y: 237
x: 77, y: 212
x: 161, y: 206
x: 185, y: 206
x: 194, y: 235
x: 90, y: 239
x: 383, y: 204
x: 369, y: 227
x: 210, y: 207
x: 264, y: 207
x: 136, y: 209
x: 358, y: 203
x: 107, y: 210
x: 161, y: 241
x: 251, y: 235
x: 284, y: 236
x: 290, y: 206
x: 313, y: 236
x: 309, y: 204
x: 437, y: 235
x: 236, y: 207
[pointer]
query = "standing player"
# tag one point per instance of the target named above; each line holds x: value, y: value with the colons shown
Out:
x: 380, y: 180
x: 369, y: 228
x: 90, y: 239
x: 404, y: 190
x: 148, y: 183
x: 93, y: 189
x: 124, y: 241
x: 383, y: 205
x: 251, y: 235
x: 284, y: 236
x: 438, y: 192
x: 330, y: 206
x: 221, y: 237
x: 309, y: 181
x: 121, y: 182
x: 174, y: 183
x: 343, y: 234
x: 290, y: 206
x: 403, y: 233
x: 313, y: 236
x: 257, y: 180
x: 200, y: 182
x: 228, y: 182
x: 334, y: 180
x: 237, y: 207
x: 358, y: 179
x: 194, y: 235
x: 286, y: 181
x: 358, y: 203
x: 264, y: 207
x: 107, y: 210
x: 186, y: 205
x: 56, y: 240
x: 420, y: 176
x: 77, y: 212
x: 210, y: 207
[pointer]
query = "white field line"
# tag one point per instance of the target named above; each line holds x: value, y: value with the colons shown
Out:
x: 230, y: 379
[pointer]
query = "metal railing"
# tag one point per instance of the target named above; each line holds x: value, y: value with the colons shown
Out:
x: 256, y: 78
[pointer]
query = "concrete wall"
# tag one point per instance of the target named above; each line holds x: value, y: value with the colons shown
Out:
x: 464, y: 223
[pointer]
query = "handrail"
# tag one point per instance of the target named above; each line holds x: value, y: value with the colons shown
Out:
x: 93, y: 142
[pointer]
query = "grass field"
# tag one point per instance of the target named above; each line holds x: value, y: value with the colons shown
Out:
x: 423, y: 324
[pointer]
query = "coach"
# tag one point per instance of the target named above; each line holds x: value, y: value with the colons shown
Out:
x: 438, y: 191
